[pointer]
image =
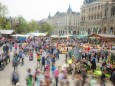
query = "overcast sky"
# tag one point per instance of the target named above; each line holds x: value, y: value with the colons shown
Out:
x: 39, y: 9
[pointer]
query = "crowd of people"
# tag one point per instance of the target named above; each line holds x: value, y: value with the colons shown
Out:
x: 47, y: 54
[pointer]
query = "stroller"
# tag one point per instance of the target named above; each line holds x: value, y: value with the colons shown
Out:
x: 31, y: 56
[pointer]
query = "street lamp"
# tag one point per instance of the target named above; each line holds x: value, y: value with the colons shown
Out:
x: 11, y: 21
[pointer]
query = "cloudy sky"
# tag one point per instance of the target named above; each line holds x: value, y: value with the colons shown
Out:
x: 39, y: 9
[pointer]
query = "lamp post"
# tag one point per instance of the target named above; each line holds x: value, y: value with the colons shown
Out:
x: 11, y: 21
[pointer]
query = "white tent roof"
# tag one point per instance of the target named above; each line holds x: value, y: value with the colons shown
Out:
x: 20, y: 35
x: 6, y: 31
x: 54, y: 36
x: 37, y: 34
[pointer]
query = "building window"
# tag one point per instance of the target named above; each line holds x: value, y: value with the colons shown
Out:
x: 106, y: 12
x: 113, y: 11
x: 104, y: 30
x: 97, y: 16
x: 100, y: 15
x: 111, y: 30
x: 89, y: 17
x: 92, y: 17
x: 70, y: 23
x: 89, y: 9
x: 98, y: 7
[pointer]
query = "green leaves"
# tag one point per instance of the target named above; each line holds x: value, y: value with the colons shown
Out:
x: 45, y: 27
x: 32, y: 26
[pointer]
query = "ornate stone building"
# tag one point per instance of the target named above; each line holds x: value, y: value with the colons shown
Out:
x: 65, y: 22
x: 98, y: 16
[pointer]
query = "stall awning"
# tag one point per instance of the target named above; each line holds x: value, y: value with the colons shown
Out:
x: 102, y: 35
x: 7, y: 32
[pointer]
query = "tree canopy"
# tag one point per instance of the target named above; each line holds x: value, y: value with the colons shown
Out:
x: 4, y: 23
x: 45, y: 27
x: 32, y: 26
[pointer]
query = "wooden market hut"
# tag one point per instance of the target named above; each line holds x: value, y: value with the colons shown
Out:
x: 7, y: 33
x: 105, y: 37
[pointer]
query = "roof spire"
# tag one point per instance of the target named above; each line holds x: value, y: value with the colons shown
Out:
x: 49, y: 16
x: 69, y: 10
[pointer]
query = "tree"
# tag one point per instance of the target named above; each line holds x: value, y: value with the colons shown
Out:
x: 3, y: 10
x: 45, y: 27
x: 4, y: 24
x: 21, y: 25
x: 32, y: 26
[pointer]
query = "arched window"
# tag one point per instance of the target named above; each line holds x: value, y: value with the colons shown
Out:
x: 104, y: 30
x: 74, y: 32
x: 106, y: 11
x: 111, y: 30
x: 89, y: 31
x: 113, y: 11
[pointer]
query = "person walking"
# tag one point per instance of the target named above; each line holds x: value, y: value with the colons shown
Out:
x: 38, y: 59
x: 56, y: 74
x: 15, y: 61
x: 93, y: 63
x: 73, y: 70
x: 15, y: 78
x: 77, y: 80
x: 113, y: 77
x: 29, y: 78
x: 44, y: 56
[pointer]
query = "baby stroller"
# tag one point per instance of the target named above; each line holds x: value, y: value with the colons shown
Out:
x: 31, y: 56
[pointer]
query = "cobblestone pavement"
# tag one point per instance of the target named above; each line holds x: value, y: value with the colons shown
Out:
x: 5, y: 75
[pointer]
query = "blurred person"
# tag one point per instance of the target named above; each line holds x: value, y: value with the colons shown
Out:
x: 53, y: 59
x: 15, y: 78
x: 112, y: 78
x: 15, y: 61
x: 47, y: 77
x: 7, y: 56
x: 84, y: 76
x: 77, y: 80
x: 38, y: 59
x: 108, y: 67
x: 29, y: 78
x: 30, y: 55
x: 15, y: 46
x: 10, y: 47
x: 39, y: 79
x: 98, y: 55
x: 93, y: 64
x: 43, y: 59
x: 93, y: 82
x: 63, y: 79
x: 73, y: 70
x: 56, y: 74
x: 36, y: 72
x: 103, y: 79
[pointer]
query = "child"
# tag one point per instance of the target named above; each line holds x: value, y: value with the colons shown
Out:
x: 38, y: 59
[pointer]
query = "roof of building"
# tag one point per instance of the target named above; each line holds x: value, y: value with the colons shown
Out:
x: 6, y: 31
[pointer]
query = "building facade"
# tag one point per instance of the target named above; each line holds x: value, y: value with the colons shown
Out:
x: 98, y: 16
x: 64, y: 23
